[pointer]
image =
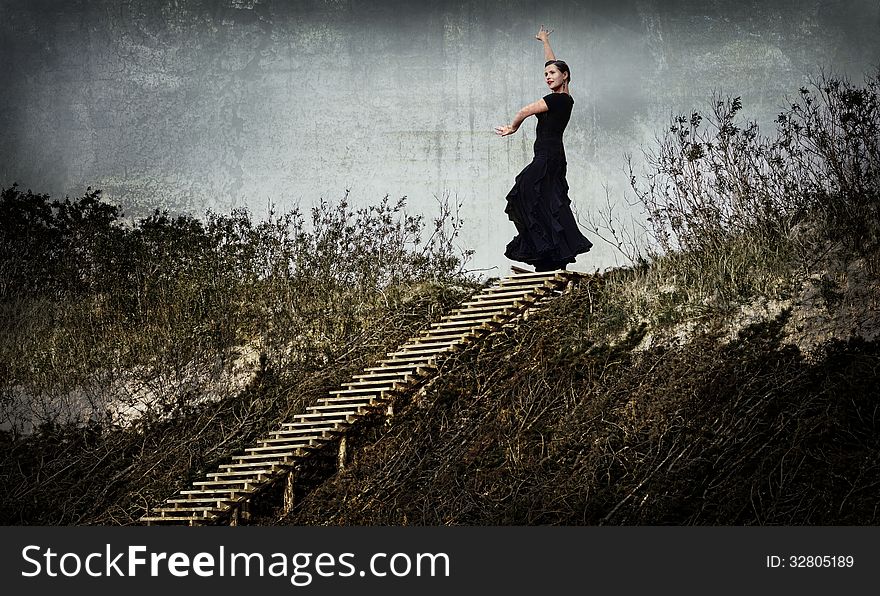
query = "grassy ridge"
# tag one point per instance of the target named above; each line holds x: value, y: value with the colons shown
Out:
x: 550, y: 424
x: 171, y: 342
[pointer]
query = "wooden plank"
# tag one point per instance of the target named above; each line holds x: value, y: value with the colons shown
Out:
x: 303, y: 424
x: 463, y: 334
x: 218, y: 493
x: 420, y: 343
x: 294, y: 440
x: 274, y: 457
x: 421, y: 370
x: 365, y: 390
x: 471, y: 309
x: 258, y: 472
x: 361, y: 406
x: 425, y: 334
x: 244, y: 483
x: 422, y: 352
x: 518, y: 281
x: 248, y: 465
x: 470, y: 335
x: 305, y: 440
x: 477, y: 313
x: 483, y: 306
x: 227, y: 503
x: 286, y: 440
x: 395, y: 379
x: 398, y: 367
x: 501, y: 293
x: 331, y: 415
x: 335, y: 417
x: 293, y: 431
x: 276, y: 450
x: 154, y: 519
x: 536, y: 274
x: 351, y: 399
x: 404, y: 375
x: 203, y: 509
x: 464, y: 329
x: 417, y: 359
x: 474, y: 321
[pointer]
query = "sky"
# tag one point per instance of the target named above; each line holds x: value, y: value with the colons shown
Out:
x: 222, y: 104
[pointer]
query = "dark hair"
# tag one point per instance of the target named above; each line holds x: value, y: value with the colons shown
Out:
x: 563, y: 67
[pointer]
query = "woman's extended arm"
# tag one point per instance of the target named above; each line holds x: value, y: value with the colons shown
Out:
x: 535, y: 107
x: 543, y: 36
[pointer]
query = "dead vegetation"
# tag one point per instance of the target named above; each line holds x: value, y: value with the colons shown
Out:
x: 547, y: 426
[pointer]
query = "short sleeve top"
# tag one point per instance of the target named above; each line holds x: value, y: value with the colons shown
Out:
x: 552, y: 123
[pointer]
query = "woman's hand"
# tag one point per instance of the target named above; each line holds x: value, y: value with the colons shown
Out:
x: 505, y: 130
x: 543, y: 34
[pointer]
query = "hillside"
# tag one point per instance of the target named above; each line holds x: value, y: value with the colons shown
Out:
x: 728, y: 376
x: 556, y: 422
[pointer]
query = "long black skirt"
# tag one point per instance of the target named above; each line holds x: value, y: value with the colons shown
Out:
x: 548, y: 236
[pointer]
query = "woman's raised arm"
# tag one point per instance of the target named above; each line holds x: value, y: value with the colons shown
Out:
x: 543, y: 36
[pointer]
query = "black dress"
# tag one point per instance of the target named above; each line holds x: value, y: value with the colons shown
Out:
x: 538, y: 204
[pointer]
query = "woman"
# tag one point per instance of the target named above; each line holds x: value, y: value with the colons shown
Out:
x: 538, y: 204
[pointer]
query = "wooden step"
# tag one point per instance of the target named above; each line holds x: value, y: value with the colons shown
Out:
x: 470, y: 308
x: 469, y: 322
x: 293, y: 431
x: 366, y: 390
x: 295, y: 440
x: 464, y: 333
x: 231, y: 483
x: 330, y: 408
x: 218, y: 493
x: 391, y: 367
x: 305, y: 424
x: 520, y: 286
x: 390, y: 376
x: 422, y: 352
x: 501, y: 294
x: 282, y: 448
x: 208, y: 510
x: 396, y: 379
x: 342, y: 399
x: 491, y: 305
x: 334, y: 417
x: 464, y: 328
x: 286, y: 440
x: 478, y: 317
x: 227, y: 503
x: 153, y: 519
x: 525, y: 282
x: 276, y: 459
x: 257, y: 472
x: 331, y: 416
x: 536, y: 275
x: 440, y: 342
x: 416, y: 359
x: 247, y: 465
x: 291, y: 435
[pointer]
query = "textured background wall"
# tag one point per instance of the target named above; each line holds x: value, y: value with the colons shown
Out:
x: 191, y: 104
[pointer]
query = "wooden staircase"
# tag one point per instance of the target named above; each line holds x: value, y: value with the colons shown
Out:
x: 223, y: 496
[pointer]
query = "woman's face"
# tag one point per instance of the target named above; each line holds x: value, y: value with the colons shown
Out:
x: 554, y: 77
